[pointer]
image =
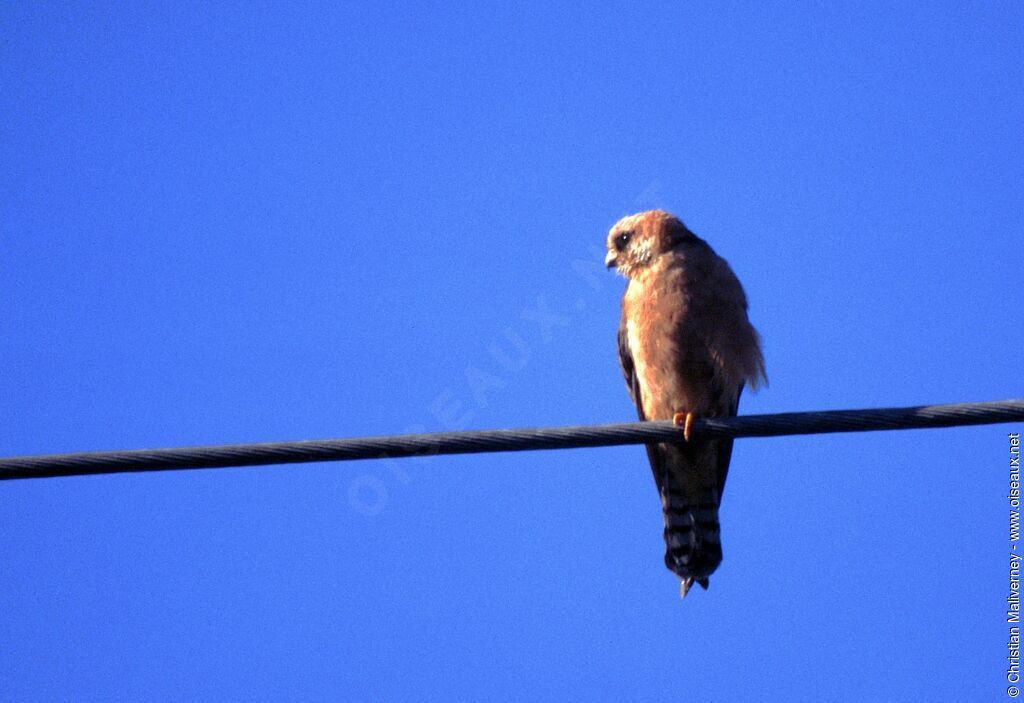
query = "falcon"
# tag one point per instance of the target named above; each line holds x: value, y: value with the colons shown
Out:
x: 687, y: 350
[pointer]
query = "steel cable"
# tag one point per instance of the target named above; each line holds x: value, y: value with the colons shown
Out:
x: 229, y: 455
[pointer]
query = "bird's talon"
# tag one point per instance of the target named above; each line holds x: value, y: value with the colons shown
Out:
x: 684, y: 420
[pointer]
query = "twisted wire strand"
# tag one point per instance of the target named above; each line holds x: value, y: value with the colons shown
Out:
x: 233, y: 455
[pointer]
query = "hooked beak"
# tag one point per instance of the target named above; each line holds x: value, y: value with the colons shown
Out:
x: 609, y: 261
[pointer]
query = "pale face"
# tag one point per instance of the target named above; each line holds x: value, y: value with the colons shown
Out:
x: 634, y: 241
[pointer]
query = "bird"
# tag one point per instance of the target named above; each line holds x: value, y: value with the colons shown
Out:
x: 687, y: 349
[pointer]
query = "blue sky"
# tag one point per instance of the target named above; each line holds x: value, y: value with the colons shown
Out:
x: 235, y: 222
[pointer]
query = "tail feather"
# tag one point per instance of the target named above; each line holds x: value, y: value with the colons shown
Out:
x: 693, y: 545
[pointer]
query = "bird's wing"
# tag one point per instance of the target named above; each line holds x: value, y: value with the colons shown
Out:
x: 633, y: 384
x: 629, y: 370
x: 725, y: 446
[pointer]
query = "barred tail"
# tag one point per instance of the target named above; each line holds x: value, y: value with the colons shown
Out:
x: 693, y: 544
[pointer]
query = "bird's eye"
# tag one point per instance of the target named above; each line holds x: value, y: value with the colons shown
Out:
x: 622, y: 240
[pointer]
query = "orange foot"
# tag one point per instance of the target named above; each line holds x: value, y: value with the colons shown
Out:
x: 684, y: 420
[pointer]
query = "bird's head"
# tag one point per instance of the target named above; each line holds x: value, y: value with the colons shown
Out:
x: 635, y: 241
